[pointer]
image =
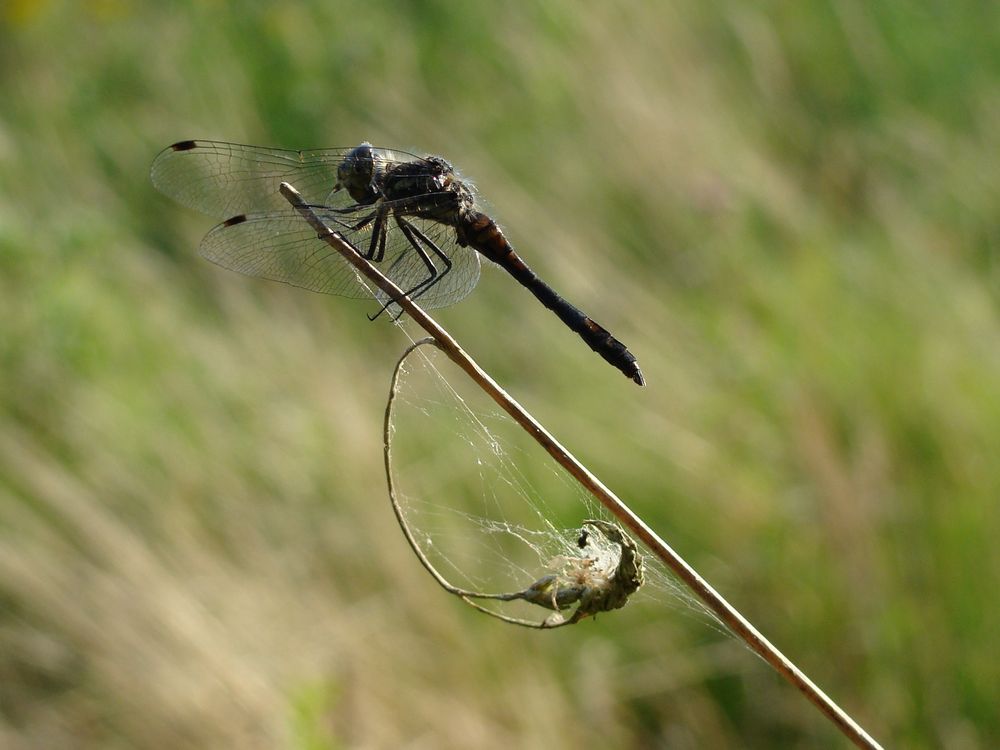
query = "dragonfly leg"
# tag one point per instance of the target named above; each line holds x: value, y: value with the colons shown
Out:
x: 346, y: 210
x: 376, y: 248
x: 330, y: 218
x: 416, y: 238
x: 358, y: 226
x: 329, y: 215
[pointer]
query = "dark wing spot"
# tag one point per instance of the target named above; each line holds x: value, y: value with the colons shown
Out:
x: 184, y: 146
x: 235, y: 220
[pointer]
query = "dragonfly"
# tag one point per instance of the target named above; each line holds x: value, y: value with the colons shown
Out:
x: 412, y: 216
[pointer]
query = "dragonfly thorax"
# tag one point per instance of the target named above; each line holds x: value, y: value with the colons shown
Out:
x: 428, y: 188
x: 411, y: 179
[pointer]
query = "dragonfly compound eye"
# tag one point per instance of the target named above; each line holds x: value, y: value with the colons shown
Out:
x: 360, y: 173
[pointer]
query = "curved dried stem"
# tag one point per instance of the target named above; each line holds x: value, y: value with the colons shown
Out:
x: 711, y: 598
x: 583, y: 580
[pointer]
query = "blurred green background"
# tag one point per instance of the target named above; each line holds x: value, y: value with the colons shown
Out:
x: 789, y: 212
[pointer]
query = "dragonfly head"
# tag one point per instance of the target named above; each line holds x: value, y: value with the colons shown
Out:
x: 360, y: 173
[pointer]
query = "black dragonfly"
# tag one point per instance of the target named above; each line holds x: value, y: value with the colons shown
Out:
x: 411, y: 215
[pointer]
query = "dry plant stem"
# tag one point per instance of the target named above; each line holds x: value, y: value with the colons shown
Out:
x: 468, y: 597
x: 698, y: 585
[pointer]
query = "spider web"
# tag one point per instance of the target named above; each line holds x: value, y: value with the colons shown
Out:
x: 487, y: 506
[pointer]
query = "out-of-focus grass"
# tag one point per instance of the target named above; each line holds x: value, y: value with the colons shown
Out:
x: 790, y: 215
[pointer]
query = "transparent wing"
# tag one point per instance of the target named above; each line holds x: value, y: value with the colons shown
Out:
x: 281, y: 246
x: 227, y: 179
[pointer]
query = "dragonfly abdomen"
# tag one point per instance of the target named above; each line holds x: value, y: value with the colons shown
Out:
x: 480, y: 232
